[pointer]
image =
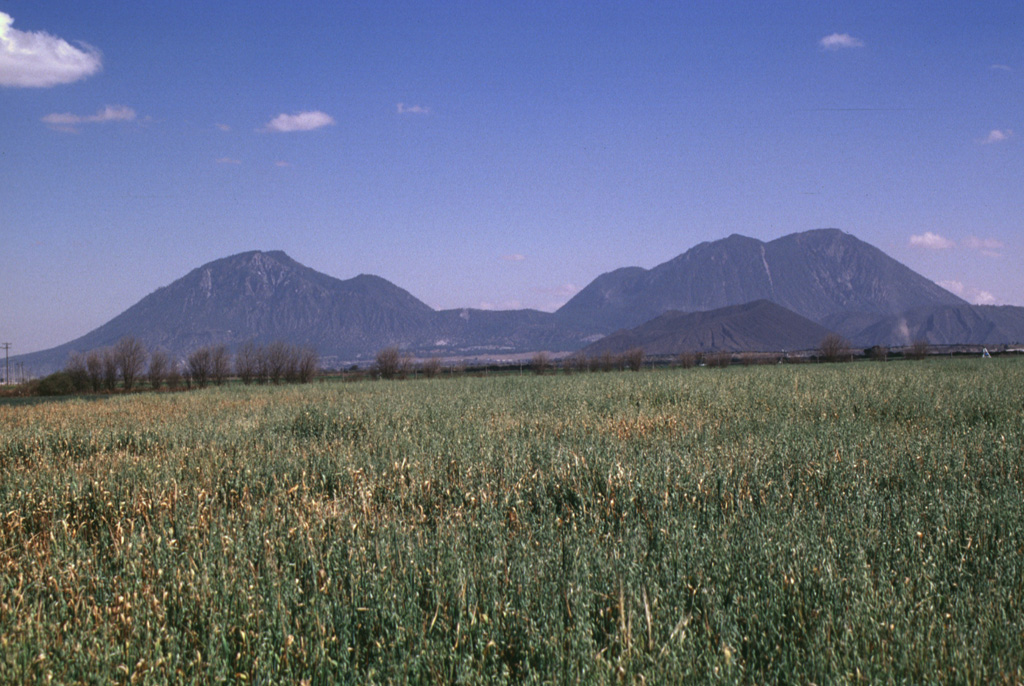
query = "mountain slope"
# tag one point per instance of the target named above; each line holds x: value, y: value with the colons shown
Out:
x: 815, y: 274
x: 261, y: 296
x: 756, y: 326
x: 939, y: 325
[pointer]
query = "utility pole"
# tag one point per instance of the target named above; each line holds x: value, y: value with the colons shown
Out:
x: 7, y: 362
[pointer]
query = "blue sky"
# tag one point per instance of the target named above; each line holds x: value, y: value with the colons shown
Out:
x: 491, y: 154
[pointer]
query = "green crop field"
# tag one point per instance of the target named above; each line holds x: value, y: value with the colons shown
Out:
x: 811, y: 523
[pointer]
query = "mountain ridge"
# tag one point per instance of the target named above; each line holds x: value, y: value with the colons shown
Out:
x: 814, y: 273
x: 825, y: 275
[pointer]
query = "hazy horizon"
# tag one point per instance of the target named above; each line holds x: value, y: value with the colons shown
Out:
x: 499, y: 155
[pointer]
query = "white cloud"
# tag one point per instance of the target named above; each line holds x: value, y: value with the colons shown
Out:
x: 838, y: 41
x: 228, y: 160
x: 300, y: 121
x: 35, y: 59
x: 953, y: 286
x: 67, y: 121
x: 971, y: 295
x: 983, y: 298
x: 931, y: 241
x: 514, y: 257
x: 989, y: 247
x: 412, y: 109
x: 998, y: 136
x: 282, y: 163
x: 223, y: 127
x: 506, y: 305
x: 1001, y: 67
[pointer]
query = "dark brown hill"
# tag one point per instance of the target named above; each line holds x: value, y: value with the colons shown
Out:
x: 759, y: 326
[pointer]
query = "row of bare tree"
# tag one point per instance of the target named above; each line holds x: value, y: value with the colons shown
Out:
x: 392, y: 363
x: 632, y: 359
x: 125, y: 364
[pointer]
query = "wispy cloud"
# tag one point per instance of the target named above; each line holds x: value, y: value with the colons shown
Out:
x: 565, y: 290
x: 228, y: 160
x: 514, y: 257
x: 223, y: 127
x: 35, y: 59
x: 506, y: 305
x: 839, y: 41
x: 953, y: 286
x: 69, y: 122
x: 300, y: 121
x: 282, y: 163
x: 931, y: 241
x: 976, y: 296
x: 997, y: 136
x: 1001, y: 67
x: 412, y: 109
x: 990, y: 247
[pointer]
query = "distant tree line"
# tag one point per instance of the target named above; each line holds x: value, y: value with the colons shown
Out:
x: 127, y: 364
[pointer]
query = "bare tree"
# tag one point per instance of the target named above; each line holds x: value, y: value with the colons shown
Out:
x: 110, y: 369
x: 247, y: 362
x: 158, y: 363
x: 173, y: 375
x: 131, y: 360
x: 577, y: 361
x: 634, y: 359
x: 918, y: 349
x: 94, y: 368
x: 834, y: 348
x: 307, y: 364
x: 879, y: 353
x: 291, y: 365
x: 388, y: 363
x: 687, y: 360
x: 220, y: 364
x: 431, y: 368
x: 540, y: 362
x: 718, y: 359
x: 276, y: 360
x: 200, y: 365
x: 262, y: 365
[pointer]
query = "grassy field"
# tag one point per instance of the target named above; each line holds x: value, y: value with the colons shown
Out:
x: 811, y: 523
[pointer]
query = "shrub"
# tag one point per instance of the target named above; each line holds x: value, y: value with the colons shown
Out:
x: 77, y: 373
x: 58, y: 383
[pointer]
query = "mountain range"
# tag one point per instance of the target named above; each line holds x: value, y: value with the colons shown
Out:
x: 793, y: 288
